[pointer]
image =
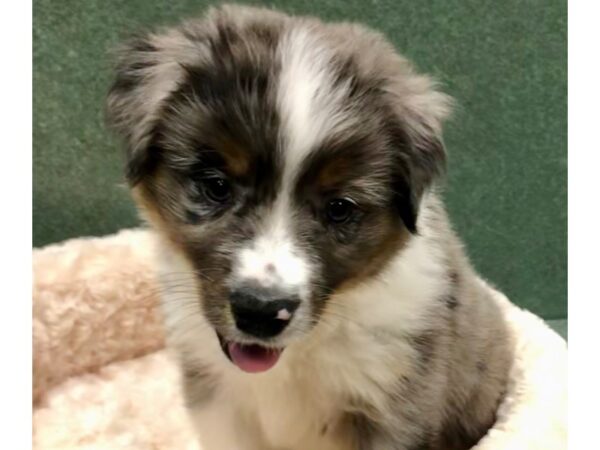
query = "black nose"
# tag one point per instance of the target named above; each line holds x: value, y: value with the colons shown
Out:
x: 262, y: 314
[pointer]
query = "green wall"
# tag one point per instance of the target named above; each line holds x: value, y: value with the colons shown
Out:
x: 504, y: 61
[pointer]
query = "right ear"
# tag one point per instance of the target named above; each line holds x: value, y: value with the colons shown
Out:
x: 420, y: 110
x: 147, y: 71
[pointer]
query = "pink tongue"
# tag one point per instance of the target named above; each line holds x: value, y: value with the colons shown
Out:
x: 253, y: 358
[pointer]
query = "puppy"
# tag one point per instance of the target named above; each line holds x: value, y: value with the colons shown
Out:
x: 314, y: 291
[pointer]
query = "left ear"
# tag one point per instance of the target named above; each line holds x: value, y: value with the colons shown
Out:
x: 419, y: 111
x: 148, y: 70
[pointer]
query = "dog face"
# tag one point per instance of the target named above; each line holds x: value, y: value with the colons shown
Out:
x: 284, y: 157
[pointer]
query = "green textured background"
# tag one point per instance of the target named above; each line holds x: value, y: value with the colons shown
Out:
x: 504, y: 61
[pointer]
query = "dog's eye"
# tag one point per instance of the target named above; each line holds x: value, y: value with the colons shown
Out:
x: 339, y: 210
x: 217, y: 189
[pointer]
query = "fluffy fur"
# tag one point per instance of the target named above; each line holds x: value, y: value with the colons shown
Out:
x: 116, y: 407
x: 286, y: 161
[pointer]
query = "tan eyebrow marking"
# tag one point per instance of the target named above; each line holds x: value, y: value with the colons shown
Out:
x: 334, y: 171
x: 236, y: 157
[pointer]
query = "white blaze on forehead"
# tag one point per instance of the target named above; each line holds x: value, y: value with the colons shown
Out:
x: 309, y: 100
x: 311, y: 107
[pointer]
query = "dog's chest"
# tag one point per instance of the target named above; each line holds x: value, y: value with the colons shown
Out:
x: 305, y: 403
x: 292, y: 411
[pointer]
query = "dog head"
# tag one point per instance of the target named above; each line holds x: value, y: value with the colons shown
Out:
x: 283, y: 157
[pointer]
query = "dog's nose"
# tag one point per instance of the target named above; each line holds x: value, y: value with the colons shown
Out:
x: 261, y: 313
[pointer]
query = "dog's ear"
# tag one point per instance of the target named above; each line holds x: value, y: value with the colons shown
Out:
x: 419, y: 110
x: 147, y: 71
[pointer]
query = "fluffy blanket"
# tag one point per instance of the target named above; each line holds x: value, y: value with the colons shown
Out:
x: 102, y: 379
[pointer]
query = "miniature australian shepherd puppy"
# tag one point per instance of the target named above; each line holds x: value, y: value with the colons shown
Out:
x: 314, y: 292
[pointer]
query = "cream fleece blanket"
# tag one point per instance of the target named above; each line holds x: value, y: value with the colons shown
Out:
x: 102, y: 380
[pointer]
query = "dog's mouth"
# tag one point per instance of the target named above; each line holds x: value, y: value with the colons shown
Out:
x: 251, y: 358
